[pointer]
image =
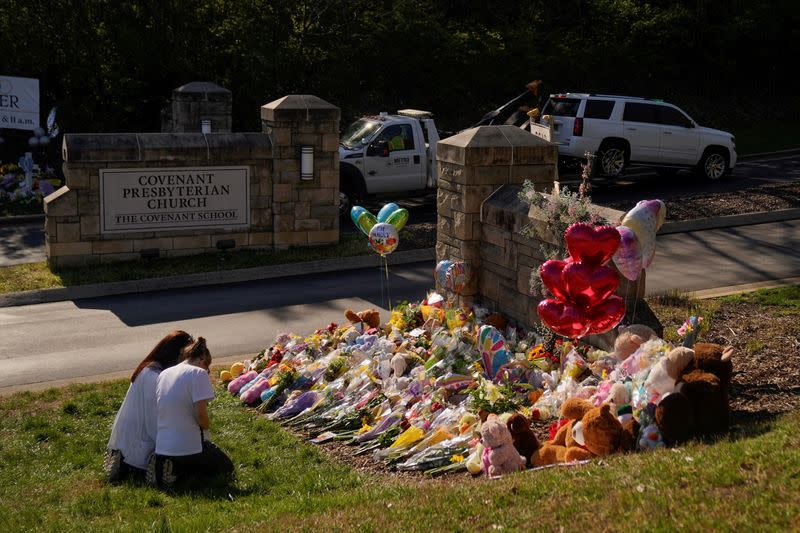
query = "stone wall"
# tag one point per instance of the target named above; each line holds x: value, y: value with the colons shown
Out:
x: 197, y: 101
x: 481, y: 219
x: 305, y: 211
x: 471, y: 167
x: 284, y: 210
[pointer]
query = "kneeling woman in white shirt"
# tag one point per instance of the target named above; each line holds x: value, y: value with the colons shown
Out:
x: 133, y: 437
x: 182, y: 448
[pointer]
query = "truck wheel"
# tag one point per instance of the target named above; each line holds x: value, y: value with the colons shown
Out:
x: 714, y: 164
x: 348, y: 197
x: 611, y: 160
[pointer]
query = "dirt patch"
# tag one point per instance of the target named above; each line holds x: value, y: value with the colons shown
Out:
x: 767, y: 358
x: 752, y: 200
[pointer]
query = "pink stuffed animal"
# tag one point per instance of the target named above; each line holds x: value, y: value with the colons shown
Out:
x: 500, y: 456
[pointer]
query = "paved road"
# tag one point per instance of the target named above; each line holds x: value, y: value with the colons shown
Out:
x: 104, y: 335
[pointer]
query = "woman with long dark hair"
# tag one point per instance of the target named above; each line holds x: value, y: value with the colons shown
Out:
x: 133, y: 437
x: 183, y: 449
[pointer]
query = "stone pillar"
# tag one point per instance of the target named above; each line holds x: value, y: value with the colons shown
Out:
x: 471, y: 166
x: 305, y: 211
x: 197, y: 101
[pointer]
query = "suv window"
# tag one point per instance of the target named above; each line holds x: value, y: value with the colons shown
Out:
x: 636, y: 112
x: 672, y: 117
x: 562, y: 107
x: 598, y: 109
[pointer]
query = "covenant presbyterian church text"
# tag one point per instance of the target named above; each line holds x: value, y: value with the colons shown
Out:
x: 171, y: 191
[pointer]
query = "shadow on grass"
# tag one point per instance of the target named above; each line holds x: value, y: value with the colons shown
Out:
x: 210, y: 488
x: 750, y: 424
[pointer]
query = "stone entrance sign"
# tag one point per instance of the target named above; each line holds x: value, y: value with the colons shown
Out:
x: 153, y: 199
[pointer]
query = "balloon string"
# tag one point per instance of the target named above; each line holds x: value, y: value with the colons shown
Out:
x: 388, y: 291
x: 380, y: 281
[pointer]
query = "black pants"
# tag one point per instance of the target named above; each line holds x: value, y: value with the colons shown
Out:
x: 211, y: 462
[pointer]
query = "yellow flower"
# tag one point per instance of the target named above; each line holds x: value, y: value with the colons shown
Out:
x: 457, y: 459
x: 492, y: 393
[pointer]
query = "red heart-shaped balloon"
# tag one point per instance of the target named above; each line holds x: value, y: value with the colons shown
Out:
x: 550, y: 272
x: 591, y: 245
x: 563, y: 318
x: 606, y: 315
x: 588, y: 285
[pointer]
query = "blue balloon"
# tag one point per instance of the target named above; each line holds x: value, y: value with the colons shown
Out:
x: 386, y: 211
x: 355, y: 212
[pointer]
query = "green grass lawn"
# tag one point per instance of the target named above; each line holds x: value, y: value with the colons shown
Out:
x: 52, y: 443
x: 39, y: 276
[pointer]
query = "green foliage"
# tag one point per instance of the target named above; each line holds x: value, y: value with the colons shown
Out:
x: 557, y: 211
x: 111, y: 66
x: 786, y: 297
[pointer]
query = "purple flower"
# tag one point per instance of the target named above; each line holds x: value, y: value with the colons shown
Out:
x: 45, y: 187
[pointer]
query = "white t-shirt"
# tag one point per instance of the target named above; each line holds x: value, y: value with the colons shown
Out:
x: 134, y: 431
x: 177, y: 391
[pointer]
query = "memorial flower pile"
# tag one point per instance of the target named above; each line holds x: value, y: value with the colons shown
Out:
x: 14, y: 187
x: 415, y: 391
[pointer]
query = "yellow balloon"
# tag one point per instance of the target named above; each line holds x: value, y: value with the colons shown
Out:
x: 237, y: 368
x: 225, y: 376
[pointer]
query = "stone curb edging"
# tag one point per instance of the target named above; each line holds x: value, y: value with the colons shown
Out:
x: 747, y: 219
x: 211, y: 278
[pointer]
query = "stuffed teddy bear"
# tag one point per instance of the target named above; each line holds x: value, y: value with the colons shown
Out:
x: 665, y: 373
x: 369, y: 317
x: 592, y: 432
x: 525, y: 440
x: 629, y: 340
x: 699, y: 405
x: 499, y: 454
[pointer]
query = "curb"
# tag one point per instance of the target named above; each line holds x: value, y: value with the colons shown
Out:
x: 763, y: 155
x: 211, y: 278
x: 743, y: 288
x: 729, y: 221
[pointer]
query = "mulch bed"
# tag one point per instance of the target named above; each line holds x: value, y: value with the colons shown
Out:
x: 754, y: 199
x: 766, y: 361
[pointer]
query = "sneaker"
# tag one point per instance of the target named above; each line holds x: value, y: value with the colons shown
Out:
x: 112, y: 465
x: 168, y: 477
x: 150, y: 473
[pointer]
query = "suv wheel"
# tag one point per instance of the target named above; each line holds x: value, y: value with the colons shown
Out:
x: 713, y: 165
x: 611, y: 160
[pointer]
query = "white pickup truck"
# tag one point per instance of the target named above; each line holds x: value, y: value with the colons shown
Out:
x: 386, y: 153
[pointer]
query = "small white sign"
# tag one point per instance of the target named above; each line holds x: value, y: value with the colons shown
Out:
x: 163, y: 199
x: 543, y: 131
x: 19, y: 103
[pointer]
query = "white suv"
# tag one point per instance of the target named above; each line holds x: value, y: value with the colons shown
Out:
x: 625, y: 130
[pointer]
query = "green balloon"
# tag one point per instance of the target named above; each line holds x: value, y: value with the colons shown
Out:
x: 365, y: 222
x: 398, y: 219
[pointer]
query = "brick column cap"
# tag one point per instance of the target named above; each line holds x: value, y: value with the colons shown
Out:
x: 492, y: 145
x: 300, y: 107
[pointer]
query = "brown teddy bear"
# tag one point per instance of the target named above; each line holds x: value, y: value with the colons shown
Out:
x: 591, y: 432
x: 369, y: 317
x: 700, y: 404
x: 525, y: 440
x: 499, y: 455
x: 629, y: 340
